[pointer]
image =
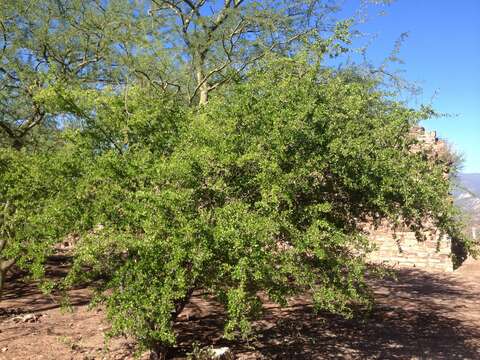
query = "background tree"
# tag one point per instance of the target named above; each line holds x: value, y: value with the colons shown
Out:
x: 77, y: 44
x: 191, y: 47
x: 42, y: 43
x: 214, y: 42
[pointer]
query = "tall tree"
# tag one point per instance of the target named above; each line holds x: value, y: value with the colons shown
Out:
x: 214, y: 42
x: 192, y: 47
x: 50, y: 41
x: 40, y: 42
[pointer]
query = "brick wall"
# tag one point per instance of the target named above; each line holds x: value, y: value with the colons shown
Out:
x: 401, y: 247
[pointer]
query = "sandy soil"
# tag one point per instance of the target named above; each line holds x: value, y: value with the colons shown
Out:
x: 420, y: 315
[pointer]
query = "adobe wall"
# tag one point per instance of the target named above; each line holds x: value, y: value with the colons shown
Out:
x: 401, y: 248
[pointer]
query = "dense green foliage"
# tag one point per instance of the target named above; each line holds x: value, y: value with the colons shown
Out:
x: 33, y: 193
x: 261, y: 191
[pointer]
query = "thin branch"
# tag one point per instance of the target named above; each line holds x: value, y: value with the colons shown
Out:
x: 86, y: 62
x: 195, y: 9
x: 31, y: 123
x: 190, y: 4
x: 223, y: 15
x: 9, y: 75
x: 173, y: 7
x: 163, y: 83
x: 206, y: 77
x: 82, y: 113
x: 253, y: 60
x: 4, y: 32
x: 8, y: 130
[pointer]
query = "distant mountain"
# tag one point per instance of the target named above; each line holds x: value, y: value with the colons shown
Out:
x: 467, y: 196
x: 471, y: 182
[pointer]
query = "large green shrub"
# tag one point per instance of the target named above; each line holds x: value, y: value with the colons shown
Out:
x: 35, y: 191
x: 263, y: 189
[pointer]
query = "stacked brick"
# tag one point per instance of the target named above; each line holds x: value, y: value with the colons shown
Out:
x: 401, y: 247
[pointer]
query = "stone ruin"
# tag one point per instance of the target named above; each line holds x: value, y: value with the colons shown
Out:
x: 401, y: 247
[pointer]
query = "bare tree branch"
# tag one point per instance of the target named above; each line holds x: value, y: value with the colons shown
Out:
x: 208, y: 76
x: 89, y: 119
x: 4, y: 32
x: 163, y: 83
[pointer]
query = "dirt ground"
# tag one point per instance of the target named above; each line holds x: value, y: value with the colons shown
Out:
x: 421, y: 315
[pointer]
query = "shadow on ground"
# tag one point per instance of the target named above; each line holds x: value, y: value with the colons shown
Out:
x: 419, y: 315
x: 28, y: 296
x: 416, y: 317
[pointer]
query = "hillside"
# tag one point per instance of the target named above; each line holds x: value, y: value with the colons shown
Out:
x: 467, y: 196
x: 471, y: 182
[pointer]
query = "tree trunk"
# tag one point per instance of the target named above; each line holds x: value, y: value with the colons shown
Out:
x: 2, y: 281
x: 202, y: 83
x: 203, y: 94
x: 203, y: 88
x: 159, y: 352
x: 5, y: 265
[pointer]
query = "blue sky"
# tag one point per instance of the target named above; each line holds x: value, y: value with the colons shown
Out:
x: 442, y: 55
